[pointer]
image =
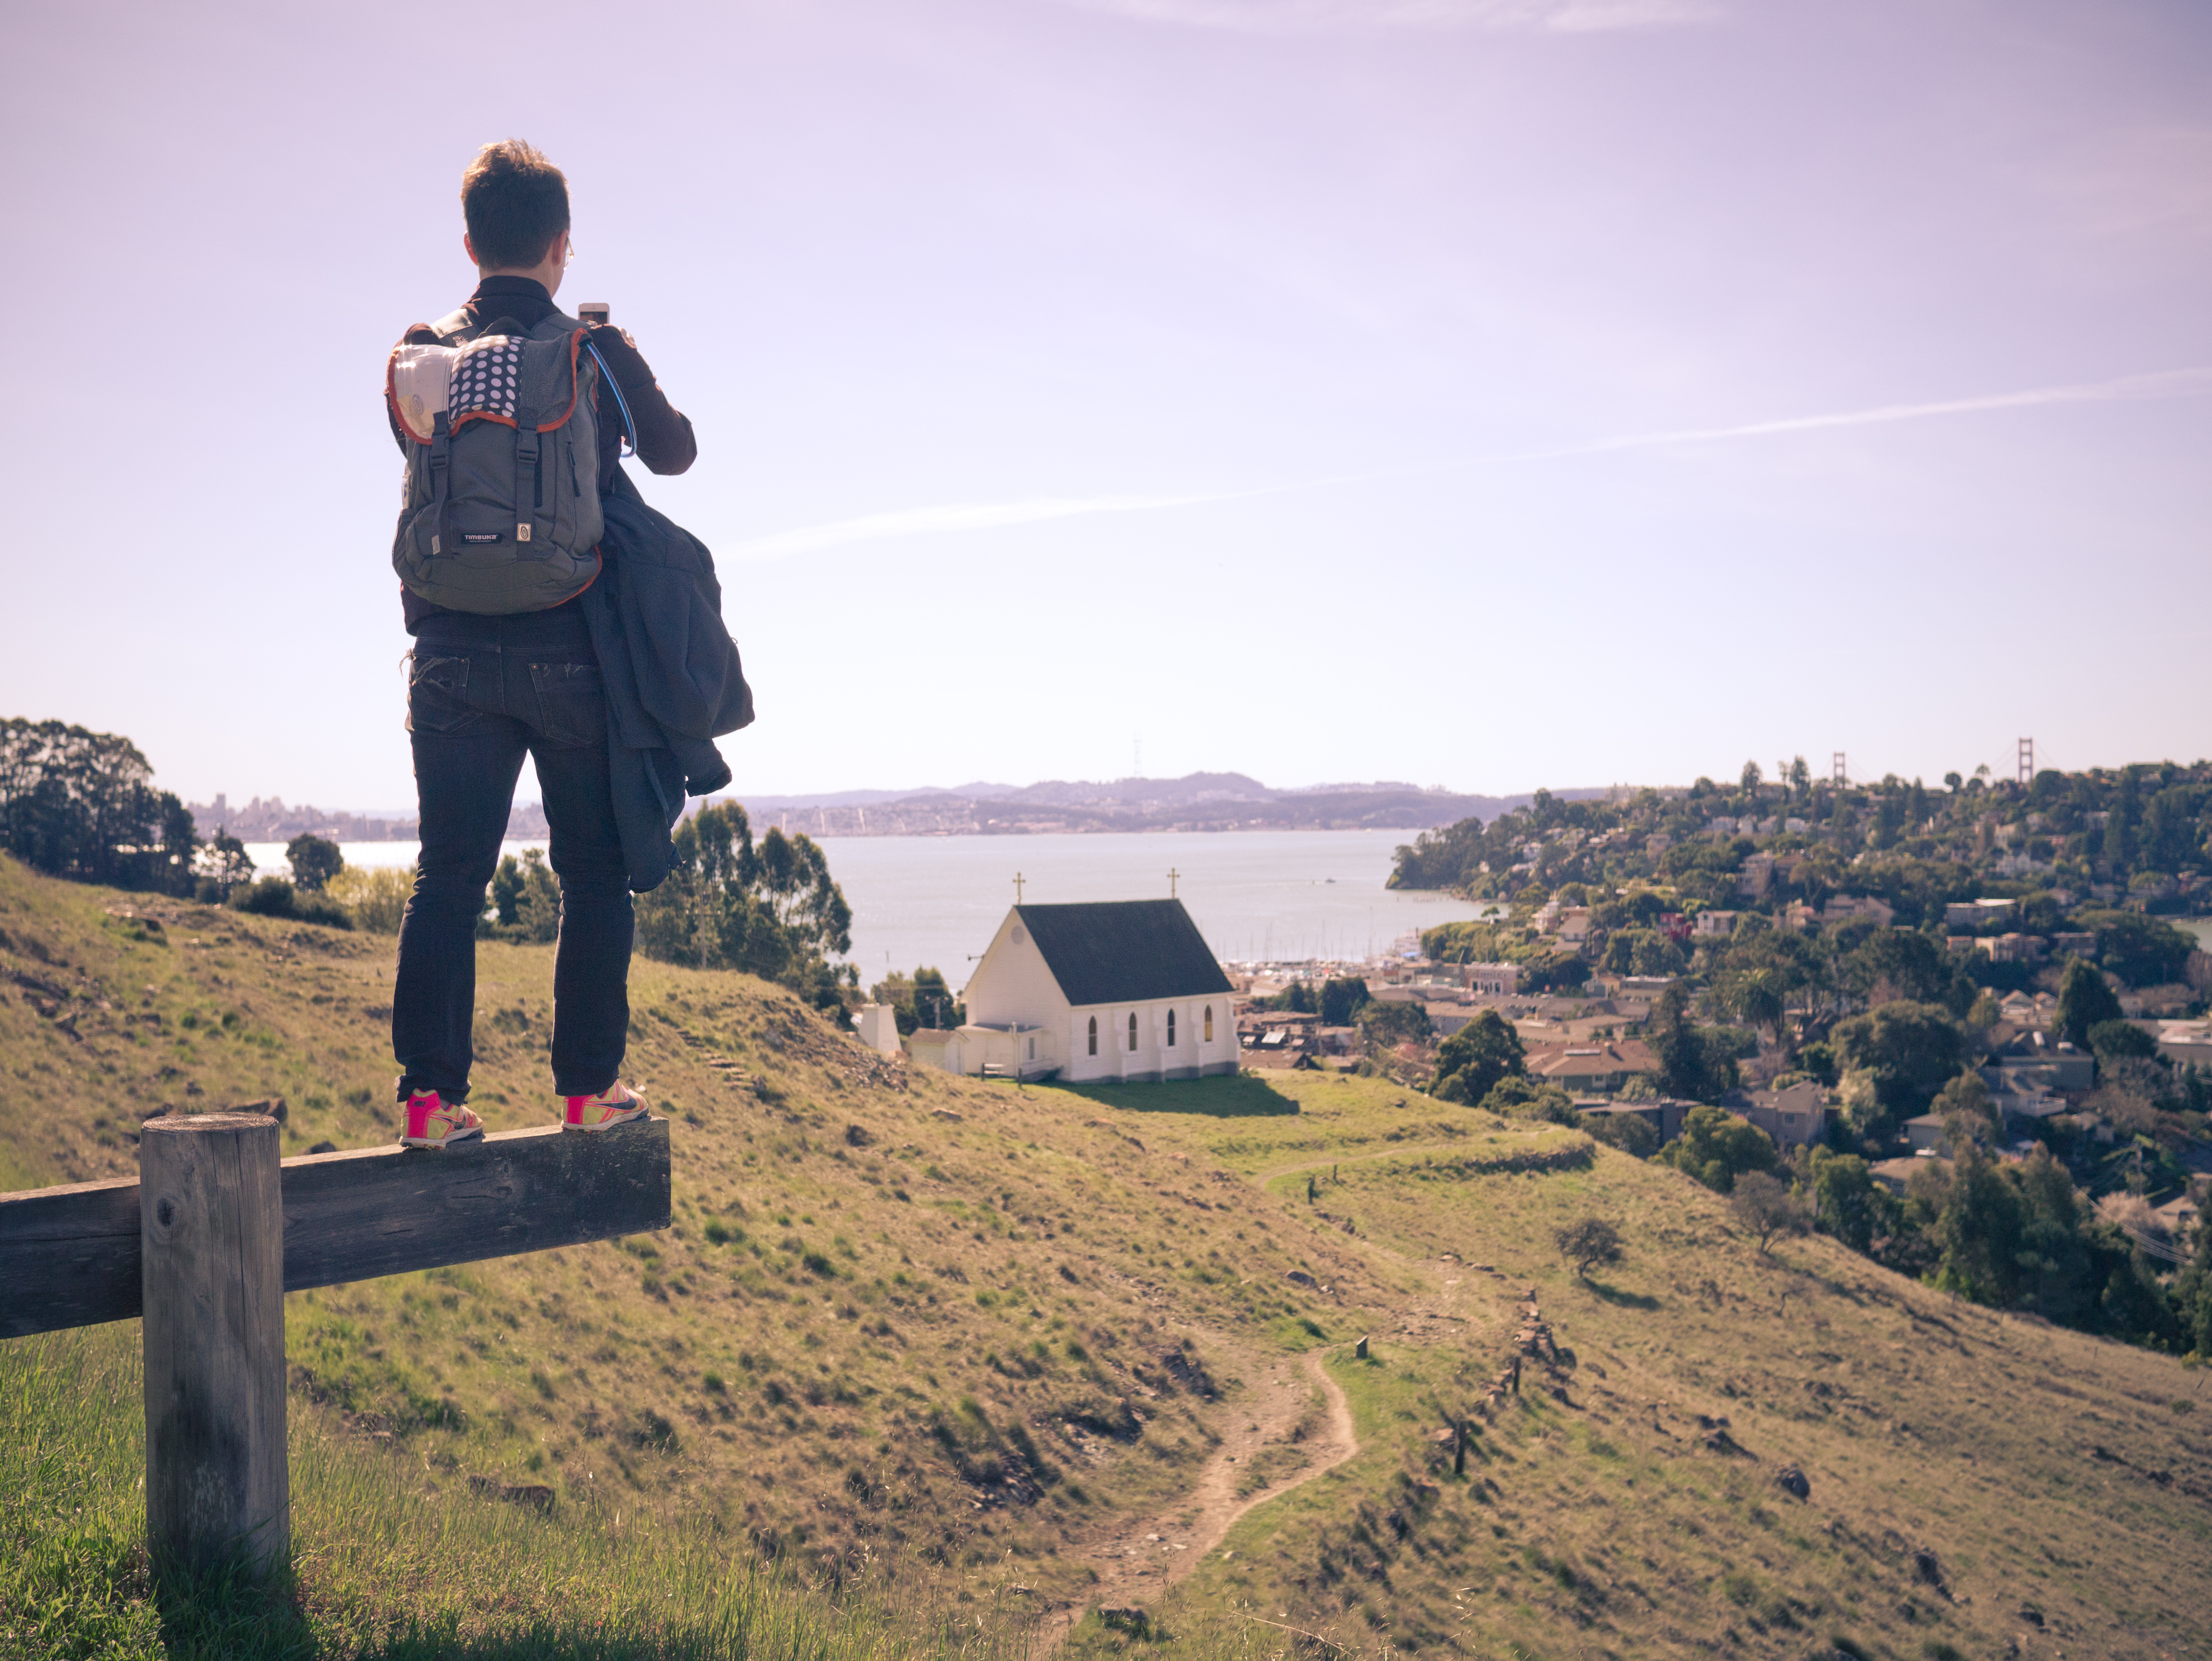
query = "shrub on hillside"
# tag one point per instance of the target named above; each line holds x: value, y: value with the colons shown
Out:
x: 1385, y: 1023
x: 1632, y: 1133
x: 1520, y: 1096
x: 1764, y: 1207
x: 1716, y: 1148
x: 376, y: 896
x: 524, y: 901
x: 273, y: 897
x: 1588, y: 1243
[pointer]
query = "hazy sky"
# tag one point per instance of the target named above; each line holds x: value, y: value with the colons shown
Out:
x: 1482, y: 392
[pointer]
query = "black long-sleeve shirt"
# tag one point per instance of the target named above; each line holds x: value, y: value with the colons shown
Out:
x: 662, y: 435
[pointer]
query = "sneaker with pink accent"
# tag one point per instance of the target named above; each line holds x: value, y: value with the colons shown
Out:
x: 616, y: 1104
x: 432, y: 1122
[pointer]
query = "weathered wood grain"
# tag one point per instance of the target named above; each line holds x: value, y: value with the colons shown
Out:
x: 70, y: 1257
x: 355, y: 1216
x: 211, y: 1260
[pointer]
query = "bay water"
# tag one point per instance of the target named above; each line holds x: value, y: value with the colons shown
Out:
x: 1257, y: 895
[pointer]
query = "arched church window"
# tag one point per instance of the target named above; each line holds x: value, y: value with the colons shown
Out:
x: 1094, y: 1035
x: 1209, y: 1023
x: 1171, y: 1029
x: 1132, y: 1029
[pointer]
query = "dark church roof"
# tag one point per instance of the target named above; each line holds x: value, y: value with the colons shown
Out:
x: 1123, y: 951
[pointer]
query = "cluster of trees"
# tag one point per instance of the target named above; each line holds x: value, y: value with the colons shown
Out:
x: 1484, y: 1065
x: 2011, y: 1234
x: 2137, y: 828
x: 923, y: 998
x: 82, y: 805
x: 1544, y: 966
x: 771, y: 910
x: 1383, y: 1023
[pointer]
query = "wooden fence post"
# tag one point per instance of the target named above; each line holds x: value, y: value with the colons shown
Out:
x: 211, y: 1220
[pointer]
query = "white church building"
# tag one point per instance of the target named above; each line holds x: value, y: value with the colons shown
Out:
x: 1120, y: 990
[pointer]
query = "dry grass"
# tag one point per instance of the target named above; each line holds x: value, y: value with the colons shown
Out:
x: 908, y: 1318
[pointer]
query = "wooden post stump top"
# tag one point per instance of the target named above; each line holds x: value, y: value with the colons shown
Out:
x: 211, y: 1259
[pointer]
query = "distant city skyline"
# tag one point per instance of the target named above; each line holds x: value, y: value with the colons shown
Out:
x: 1486, y: 393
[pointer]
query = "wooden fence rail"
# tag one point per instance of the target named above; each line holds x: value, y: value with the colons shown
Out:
x: 217, y: 1228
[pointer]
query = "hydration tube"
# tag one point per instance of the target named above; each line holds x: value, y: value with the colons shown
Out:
x: 630, y: 430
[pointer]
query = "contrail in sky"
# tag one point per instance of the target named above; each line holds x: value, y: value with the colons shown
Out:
x: 977, y: 516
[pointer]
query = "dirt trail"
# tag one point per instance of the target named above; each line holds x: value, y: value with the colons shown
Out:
x: 1143, y: 1557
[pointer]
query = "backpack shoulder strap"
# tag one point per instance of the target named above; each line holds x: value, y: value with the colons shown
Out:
x: 454, y: 325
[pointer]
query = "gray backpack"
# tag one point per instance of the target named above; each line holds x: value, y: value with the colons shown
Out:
x: 500, y: 508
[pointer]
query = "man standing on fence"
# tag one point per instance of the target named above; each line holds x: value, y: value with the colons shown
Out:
x: 511, y: 415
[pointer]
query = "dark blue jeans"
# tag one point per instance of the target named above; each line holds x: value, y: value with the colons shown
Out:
x: 474, y: 706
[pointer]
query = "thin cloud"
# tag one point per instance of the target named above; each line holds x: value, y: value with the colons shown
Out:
x: 2165, y: 383
x: 983, y: 516
x: 1390, y: 16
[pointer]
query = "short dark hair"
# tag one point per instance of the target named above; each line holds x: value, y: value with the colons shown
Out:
x: 515, y: 203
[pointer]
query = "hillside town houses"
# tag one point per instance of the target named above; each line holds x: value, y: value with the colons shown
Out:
x: 1129, y: 993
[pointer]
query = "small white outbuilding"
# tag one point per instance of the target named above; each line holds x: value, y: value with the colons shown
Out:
x: 1122, y: 990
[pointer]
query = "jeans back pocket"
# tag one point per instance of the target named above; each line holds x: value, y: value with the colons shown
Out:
x: 572, y: 702
x: 437, y: 694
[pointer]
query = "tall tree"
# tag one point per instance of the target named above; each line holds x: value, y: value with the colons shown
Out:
x: 1340, y: 1000
x: 1478, y: 1055
x: 1694, y: 1062
x: 225, y: 862
x: 1911, y: 1049
x: 771, y: 910
x: 2084, y: 1002
x: 314, y: 859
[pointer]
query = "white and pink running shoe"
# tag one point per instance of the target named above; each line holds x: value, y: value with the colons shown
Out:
x: 435, y: 1123
x: 616, y: 1104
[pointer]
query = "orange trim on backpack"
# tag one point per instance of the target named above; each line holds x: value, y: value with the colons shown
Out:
x: 598, y: 565
x: 392, y: 395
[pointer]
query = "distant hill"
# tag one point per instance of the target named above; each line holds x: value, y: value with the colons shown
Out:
x: 1197, y: 802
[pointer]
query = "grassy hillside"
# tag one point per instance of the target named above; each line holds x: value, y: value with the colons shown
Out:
x: 388, y: 1566
x: 1042, y: 1347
